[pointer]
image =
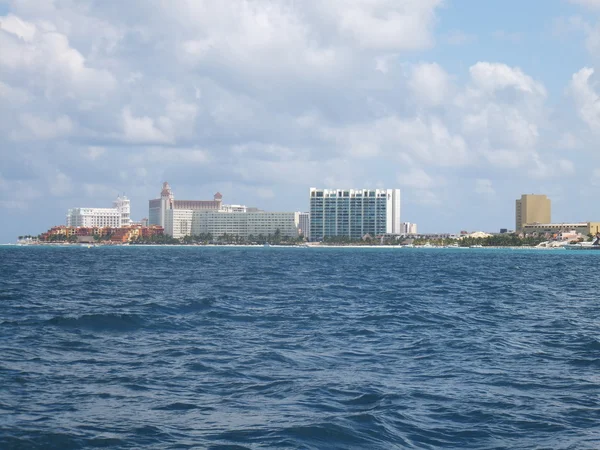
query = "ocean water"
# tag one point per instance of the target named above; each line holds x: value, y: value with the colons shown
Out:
x: 253, y: 348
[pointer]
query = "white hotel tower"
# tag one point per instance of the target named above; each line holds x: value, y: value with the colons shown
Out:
x: 354, y: 213
x: 117, y: 216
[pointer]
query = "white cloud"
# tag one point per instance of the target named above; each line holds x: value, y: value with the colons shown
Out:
x: 423, y: 138
x: 586, y: 98
x: 595, y: 179
x: 40, y: 56
x: 39, y: 128
x: 14, y: 96
x: 60, y: 184
x: 17, y: 194
x: 491, y: 77
x: 142, y: 129
x: 568, y: 141
x: 587, y: 3
x: 430, y: 84
x: 484, y: 186
x: 416, y: 178
x: 551, y: 169
x: 385, y: 24
x: 94, y: 152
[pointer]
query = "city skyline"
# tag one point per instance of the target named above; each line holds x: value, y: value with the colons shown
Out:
x: 397, y: 225
x: 464, y: 109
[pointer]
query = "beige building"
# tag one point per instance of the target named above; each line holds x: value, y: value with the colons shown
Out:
x: 584, y: 228
x: 530, y: 209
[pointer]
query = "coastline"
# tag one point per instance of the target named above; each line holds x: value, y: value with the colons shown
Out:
x: 303, y: 246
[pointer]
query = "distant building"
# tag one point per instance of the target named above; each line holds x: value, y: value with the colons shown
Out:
x: 117, y: 216
x: 305, y: 225
x: 408, y: 228
x: 116, y: 234
x: 246, y: 224
x: 584, y: 228
x: 194, y: 217
x: 166, y: 207
x: 123, y: 205
x: 353, y: 213
x: 532, y: 208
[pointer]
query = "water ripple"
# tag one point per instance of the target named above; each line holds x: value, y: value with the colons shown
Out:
x: 228, y: 348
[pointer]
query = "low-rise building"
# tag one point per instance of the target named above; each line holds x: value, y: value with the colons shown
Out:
x: 583, y: 228
x: 114, y: 234
x: 246, y: 224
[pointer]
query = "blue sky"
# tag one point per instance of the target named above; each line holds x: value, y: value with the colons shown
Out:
x: 464, y: 105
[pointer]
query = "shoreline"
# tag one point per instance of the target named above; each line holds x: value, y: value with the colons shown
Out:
x: 304, y: 246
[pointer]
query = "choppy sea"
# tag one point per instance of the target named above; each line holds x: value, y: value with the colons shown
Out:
x: 253, y: 348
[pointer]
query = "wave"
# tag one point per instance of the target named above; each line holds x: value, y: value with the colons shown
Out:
x: 99, y: 322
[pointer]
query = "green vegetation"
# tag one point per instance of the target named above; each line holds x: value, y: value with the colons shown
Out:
x: 227, y: 239
x: 497, y: 240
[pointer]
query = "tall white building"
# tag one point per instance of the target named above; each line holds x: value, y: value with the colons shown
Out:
x: 305, y: 225
x: 123, y: 205
x: 115, y: 217
x: 353, y: 213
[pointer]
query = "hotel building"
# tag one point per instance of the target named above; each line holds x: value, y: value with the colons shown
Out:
x: 193, y: 217
x: 354, y: 213
x: 178, y: 212
x: 117, y: 216
x: 532, y: 208
x: 246, y: 224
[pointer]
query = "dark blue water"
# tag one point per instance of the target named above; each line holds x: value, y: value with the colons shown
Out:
x: 298, y: 348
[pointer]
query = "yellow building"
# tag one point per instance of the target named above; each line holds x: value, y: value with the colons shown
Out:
x: 584, y: 228
x: 532, y: 208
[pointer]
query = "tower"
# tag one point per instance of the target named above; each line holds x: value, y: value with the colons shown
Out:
x: 166, y: 202
x: 532, y: 208
x: 123, y: 205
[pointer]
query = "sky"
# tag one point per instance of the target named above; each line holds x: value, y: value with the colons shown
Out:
x: 464, y: 105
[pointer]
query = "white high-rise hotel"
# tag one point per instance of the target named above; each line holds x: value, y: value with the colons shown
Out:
x: 193, y: 217
x: 117, y: 216
x: 354, y: 213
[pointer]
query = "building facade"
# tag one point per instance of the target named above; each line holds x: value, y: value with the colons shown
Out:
x: 408, y: 228
x: 246, y: 224
x: 304, y: 224
x: 583, y: 228
x: 114, y: 234
x: 93, y: 217
x: 158, y: 209
x: 353, y: 213
x: 530, y: 209
x: 123, y: 205
x: 117, y: 216
x: 182, y: 218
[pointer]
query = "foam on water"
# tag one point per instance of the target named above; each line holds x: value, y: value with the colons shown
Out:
x: 298, y: 348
